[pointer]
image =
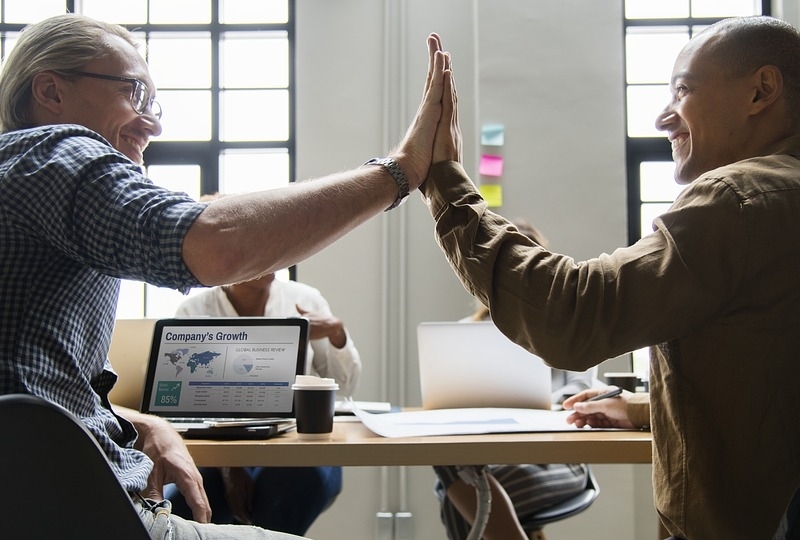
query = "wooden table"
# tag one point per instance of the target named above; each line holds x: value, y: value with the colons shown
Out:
x: 353, y: 444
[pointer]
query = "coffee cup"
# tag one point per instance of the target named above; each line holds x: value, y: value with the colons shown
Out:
x: 624, y: 380
x: 314, y: 401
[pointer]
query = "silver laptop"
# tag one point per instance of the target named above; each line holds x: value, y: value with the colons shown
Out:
x: 212, y: 370
x: 128, y: 353
x: 472, y: 364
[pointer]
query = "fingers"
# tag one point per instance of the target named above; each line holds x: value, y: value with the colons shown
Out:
x: 197, y: 500
x: 434, y: 46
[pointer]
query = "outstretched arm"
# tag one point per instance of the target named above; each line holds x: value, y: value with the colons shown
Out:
x: 240, y: 237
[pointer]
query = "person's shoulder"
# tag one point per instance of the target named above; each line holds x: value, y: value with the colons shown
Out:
x: 198, y: 304
x: 68, y: 143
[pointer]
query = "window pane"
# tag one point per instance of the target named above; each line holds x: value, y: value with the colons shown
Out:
x: 31, y: 11
x: 650, y: 211
x: 180, y: 60
x: 725, y: 8
x: 253, y: 11
x: 650, y: 53
x: 180, y: 11
x: 644, y: 105
x: 244, y: 171
x: 128, y: 12
x: 271, y: 70
x: 131, y: 300
x: 657, y: 181
x: 253, y: 115
x: 648, y: 9
x: 9, y: 42
x: 184, y: 178
x: 187, y: 115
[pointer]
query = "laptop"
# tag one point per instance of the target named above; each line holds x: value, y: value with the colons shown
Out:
x: 128, y: 353
x: 211, y: 372
x: 472, y: 364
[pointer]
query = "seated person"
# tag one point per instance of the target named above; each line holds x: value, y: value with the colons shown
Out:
x: 517, y: 490
x: 286, y: 499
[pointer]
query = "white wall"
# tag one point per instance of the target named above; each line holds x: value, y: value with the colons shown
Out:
x: 552, y: 73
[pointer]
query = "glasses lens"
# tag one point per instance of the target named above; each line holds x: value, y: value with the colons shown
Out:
x: 140, y: 100
x: 156, y: 108
x: 139, y: 97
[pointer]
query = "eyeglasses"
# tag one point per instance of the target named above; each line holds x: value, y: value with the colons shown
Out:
x: 140, y: 95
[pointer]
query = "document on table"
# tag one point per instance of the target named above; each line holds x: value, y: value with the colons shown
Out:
x: 464, y: 421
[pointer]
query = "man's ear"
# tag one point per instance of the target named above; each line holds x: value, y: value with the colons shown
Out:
x: 46, y: 89
x: 769, y: 88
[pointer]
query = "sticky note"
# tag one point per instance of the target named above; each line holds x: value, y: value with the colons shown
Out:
x: 491, y: 165
x: 493, y: 135
x: 492, y: 194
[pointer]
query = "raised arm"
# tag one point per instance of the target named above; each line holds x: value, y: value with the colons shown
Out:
x: 241, y: 237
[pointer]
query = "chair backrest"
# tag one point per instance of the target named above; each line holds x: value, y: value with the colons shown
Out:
x: 55, y: 481
x: 570, y: 507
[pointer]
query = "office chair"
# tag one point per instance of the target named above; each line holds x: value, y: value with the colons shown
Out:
x: 572, y: 506
x: 56, y: 481
x: 568, y: 508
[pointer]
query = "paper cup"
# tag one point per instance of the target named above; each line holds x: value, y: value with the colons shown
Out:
x: 314, y: 401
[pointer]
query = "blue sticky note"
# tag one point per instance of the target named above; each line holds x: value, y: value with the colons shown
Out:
x: 493, y: 135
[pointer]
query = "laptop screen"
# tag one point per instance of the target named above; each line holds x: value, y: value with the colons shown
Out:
x: 237, y: 367
x: 472, y: 364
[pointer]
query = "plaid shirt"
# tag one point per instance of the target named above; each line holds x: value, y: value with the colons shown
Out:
x: 75, y: 216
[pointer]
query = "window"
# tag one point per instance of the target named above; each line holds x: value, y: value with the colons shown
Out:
x: 655, y: 32
x: 225, y: 76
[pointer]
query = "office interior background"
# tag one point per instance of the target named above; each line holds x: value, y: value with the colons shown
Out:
x: 258, y: 93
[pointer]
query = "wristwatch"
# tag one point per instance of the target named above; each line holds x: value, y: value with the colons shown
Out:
x: 399, y: 177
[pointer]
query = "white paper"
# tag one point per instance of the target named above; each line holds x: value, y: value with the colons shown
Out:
x: 464, y: 421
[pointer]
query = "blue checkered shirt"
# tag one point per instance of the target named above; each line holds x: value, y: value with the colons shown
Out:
x: 75, y: 217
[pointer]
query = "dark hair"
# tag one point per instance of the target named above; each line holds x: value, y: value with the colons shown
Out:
x: 742, y: 45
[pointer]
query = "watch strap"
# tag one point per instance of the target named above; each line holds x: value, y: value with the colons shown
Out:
x: 397, y: 174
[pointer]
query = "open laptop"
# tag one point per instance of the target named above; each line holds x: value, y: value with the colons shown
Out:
x: 210, y: 371
x: 472, y: 364
x: 128, y: 353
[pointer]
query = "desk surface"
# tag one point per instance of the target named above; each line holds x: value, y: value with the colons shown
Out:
x: 353, y: 444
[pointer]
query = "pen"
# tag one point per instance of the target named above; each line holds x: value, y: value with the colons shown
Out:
x: 611, y: 393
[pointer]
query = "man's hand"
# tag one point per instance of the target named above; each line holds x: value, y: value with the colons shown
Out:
x: 324, y: 325
x: 171, y: 462
x: 414, y: 153
x: 447, y: 144
x: 604, y: 413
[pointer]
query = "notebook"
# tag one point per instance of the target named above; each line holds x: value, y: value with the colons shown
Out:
x: 211, y: 370
x: 472, y: 364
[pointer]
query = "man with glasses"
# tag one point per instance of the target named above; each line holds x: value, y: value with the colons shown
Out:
x: 77, y: 214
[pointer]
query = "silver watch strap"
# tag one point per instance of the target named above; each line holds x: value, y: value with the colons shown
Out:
x: 399, y: 177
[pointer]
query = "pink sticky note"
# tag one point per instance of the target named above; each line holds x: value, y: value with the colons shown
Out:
x: 491, y: 165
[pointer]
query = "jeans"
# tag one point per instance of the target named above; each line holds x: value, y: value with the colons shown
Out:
x: 163, y: 525
x: 286, y: 499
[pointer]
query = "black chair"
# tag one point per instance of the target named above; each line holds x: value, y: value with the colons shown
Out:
x: 56, y: 481
x: 572, y: 506
x: 568, y: 508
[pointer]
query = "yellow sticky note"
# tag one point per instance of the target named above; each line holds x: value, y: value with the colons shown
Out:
x: 492, y: 194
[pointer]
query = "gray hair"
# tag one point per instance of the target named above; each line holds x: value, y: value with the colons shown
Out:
x: 61, y: 43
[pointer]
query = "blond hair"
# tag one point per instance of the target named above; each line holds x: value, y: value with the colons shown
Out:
x: 62, y: 43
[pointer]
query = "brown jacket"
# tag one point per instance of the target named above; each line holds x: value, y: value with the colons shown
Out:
x: 715, y: 289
